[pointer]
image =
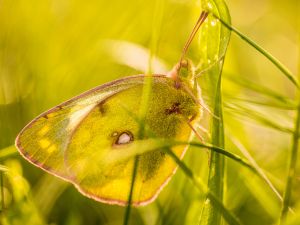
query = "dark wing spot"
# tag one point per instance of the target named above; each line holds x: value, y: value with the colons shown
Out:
x: 175, y: 108
x: 101, y: 107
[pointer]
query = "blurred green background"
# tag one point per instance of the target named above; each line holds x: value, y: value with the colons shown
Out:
x: 52, y: 50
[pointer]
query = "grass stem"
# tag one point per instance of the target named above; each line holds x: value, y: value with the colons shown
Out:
x: 264, y: 52
x: 294, y: 151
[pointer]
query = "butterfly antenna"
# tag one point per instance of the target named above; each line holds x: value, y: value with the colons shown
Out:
x: 199, y: 22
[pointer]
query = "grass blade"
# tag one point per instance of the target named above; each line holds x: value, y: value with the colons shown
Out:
x: 259, y: 88
x: 128, y: 208
x: 258, y: 170
x: 264, y: 52
x: 213, y: 199
x: 294, y: 150
x: 215, y: 39
x: 257, y: 117
x: 264, y: 103
x: 157, y: 20
x: 292, y: 167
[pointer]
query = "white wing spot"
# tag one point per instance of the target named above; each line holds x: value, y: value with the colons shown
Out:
x: 213, y: 23
x: 124, y: 138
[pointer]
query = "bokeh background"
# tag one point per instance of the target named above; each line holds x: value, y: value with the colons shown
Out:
x: 52, y: 50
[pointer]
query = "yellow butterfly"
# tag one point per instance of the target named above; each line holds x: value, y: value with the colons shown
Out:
x: 76, y: 139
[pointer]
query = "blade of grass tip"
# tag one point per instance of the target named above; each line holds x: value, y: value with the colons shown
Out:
x: 294, y: 149
x: 228, y: 216
x: 157, y: 21
x: 264, y: 52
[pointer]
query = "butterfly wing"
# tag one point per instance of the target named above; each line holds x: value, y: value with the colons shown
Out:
x: 74, y: 139
x: 44, y: 140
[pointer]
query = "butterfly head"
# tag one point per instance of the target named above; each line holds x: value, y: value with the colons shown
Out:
x: 183, y: 72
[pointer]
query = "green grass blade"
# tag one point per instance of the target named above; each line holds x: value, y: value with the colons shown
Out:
x: 292, y: 167
x: 257, y: 117
x: 226, y: 153
x: 265, y: 103
x: 294, y: 149
x: 152, y: 144
x: 264, y: 52
x: 259, y: 171
x: 295, y: 145
x: 215, y: 39
x: 128, y: 208
x: 213, y: 199
x: 157, y: 21
x: 259, y: 88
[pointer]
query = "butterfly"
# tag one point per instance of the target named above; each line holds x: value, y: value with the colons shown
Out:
x: 77, y: 139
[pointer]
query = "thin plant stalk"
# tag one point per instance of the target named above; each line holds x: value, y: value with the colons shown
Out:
x: 157, y: 20
x: 215, y: 201
x: 294, y: 151
x: 292, y: 168
x: 264, y: 52
x: 215, y: 39
x: 128, y: 208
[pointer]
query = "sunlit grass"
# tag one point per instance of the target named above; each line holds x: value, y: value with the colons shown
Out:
x: 53, y: 50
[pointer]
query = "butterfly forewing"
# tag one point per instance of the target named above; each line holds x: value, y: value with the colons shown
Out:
x: 44, y: 140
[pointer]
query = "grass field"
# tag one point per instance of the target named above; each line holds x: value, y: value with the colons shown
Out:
x: 53, y: 50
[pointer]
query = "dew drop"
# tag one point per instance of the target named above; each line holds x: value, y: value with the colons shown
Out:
x: 213, y: 22
x: 209, y: 5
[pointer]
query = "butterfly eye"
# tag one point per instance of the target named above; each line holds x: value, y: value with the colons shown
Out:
x: 124, y: 138
x: 184, y: 63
